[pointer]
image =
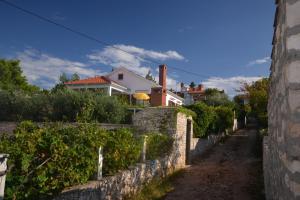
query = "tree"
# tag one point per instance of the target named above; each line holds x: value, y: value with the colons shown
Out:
x: 75, y: 77
x: 215, y: 97
x: 258, y: 100
x: 12, y: 78
x: 192, y: 85
x: 63, y: 78
x: 149, y: 76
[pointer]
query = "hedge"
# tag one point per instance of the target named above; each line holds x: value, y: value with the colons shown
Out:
x: 63, y: 105
x: 158, y: 145
x: 210, y: 119
x: 46, y: 160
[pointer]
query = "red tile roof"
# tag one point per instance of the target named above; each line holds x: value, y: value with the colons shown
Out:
x: 196, y: 92
x: 92, y: 80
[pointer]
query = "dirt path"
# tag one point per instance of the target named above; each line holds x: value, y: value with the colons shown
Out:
x: 230, y: 171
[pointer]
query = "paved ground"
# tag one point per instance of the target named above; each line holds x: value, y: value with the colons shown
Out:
x: 230, y: 171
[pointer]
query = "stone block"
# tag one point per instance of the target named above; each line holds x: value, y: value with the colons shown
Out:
x: 293, y: 42
x: 293, y: 14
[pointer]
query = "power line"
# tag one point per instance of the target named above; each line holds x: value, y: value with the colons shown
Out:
x: 85, y: 35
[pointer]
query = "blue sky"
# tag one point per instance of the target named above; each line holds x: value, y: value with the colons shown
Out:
x: 226, y: 41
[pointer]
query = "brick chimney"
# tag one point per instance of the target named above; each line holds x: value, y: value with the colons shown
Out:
x: 163, y: 76
x: 159, y: 94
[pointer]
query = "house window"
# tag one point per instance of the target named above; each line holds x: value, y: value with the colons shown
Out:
x: 120, y: 76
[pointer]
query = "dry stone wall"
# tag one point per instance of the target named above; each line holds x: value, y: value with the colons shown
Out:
x: 282, y: 146
x: 128, y: 182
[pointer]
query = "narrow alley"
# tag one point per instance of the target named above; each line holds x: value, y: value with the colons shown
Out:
x: 230, y: 171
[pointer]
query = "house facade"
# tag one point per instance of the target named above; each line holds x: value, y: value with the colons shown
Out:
x: 126, y: 82
x: 192, y: 95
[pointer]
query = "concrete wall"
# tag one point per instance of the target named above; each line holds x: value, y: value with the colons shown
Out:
x: 282, y: 146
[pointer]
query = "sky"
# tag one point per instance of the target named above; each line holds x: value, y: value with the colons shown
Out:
x: 224, y: 42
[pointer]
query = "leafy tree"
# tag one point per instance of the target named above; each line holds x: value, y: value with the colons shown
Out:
x: 63, y: 78
x: 149, y: 76
x: 12, y: 78
x: 75, y: 77
x: 215, y: 97
x: 192, y: 85
x: 203, y: 121
x: 258, y: 100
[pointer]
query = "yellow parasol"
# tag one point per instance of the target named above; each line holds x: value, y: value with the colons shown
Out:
x: 141, y: 96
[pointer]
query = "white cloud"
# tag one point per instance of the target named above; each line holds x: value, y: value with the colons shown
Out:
x: 134, y: 60
x: 260, y: 61
x: 44, y: 69
x: 229, y: 85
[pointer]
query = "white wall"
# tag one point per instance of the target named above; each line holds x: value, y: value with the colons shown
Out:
x: 132, y: 81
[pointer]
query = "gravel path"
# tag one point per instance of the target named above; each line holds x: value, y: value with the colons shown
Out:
x: 230, y: 171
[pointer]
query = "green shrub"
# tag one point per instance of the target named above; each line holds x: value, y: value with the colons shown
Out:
x: 203, y: 120
x: 121, y: 150
x: 63, y: 105
x: 224, y: 118
x: 158, y: 145
x: 47, y: 159
x: 109, y: 109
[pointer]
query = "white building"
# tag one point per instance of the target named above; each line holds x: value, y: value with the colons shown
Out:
x: 124, y: 81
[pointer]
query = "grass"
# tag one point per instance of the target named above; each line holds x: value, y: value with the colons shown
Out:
x: 157, y: 189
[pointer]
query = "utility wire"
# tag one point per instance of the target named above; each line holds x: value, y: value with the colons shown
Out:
x: 82, y: 34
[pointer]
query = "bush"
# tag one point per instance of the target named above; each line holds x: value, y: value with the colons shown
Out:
x: 109, y: 109
x: 46, y: 160
x: 121, y: 150
x: 158, y: 145
x: 224, y: 118
x: 203, y: 120
x: 63, y: 105
x: 210, y: 119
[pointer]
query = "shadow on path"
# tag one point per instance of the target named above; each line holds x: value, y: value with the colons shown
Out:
x: 230, y: 171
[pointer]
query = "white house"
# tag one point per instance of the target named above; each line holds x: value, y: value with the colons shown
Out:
x: 124, y: 81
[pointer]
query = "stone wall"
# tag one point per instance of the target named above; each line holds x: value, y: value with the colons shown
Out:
x: 201, y: 145
x: 282, y: 146
x: 168, y: 121
x: 122, y: 184
x: 164, y: 120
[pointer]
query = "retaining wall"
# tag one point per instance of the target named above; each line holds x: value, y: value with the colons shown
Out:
x: 201, y: 145
x: 127, y: 182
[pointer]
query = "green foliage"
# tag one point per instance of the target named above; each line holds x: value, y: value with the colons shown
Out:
x: 122, y: 149
x: 186, y: 111
x: 210, y: 119
x: 63, y: 105
x: 258, y: 100
x: 109, y: 109
x: 204, y: 119
x: 214, y: 97
x: 149, y: 76
x: 12, y: 78
x: 224, y: 118
x: 192, y: 84
x: 157, y: 188
x: 47, y: 159
x: 63, y: 78
x: 158, y: 145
